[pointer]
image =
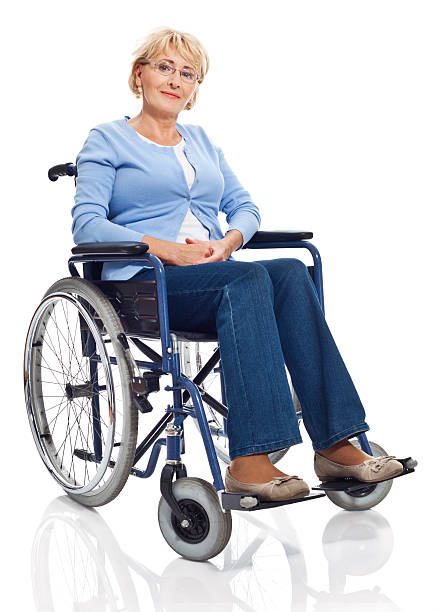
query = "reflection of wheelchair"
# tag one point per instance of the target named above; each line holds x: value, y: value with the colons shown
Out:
x: 78, y: 564
x: 84, y: 390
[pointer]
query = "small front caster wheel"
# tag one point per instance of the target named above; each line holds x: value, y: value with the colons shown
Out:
x: 210, y: 527
x: 370, y: 496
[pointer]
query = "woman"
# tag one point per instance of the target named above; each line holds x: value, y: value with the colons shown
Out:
x: 154, y: 180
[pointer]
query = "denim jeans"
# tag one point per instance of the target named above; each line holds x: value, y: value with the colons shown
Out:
x: 266, y: 315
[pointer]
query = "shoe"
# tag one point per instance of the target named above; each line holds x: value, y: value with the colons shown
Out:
x: 278, y: 489
x: 371, y: 470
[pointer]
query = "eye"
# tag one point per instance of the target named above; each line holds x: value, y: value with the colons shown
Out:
x: 189, y: 75
x: 164, y: 67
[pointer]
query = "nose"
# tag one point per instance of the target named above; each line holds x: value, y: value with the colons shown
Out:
x: 174, y: 79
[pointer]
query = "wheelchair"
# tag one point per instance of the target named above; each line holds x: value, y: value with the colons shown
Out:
x: 84, y: 391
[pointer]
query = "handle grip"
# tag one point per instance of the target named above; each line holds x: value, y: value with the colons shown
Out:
x: 68, y: 169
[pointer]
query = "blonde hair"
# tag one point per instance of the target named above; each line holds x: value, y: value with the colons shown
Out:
x: 184, y: 43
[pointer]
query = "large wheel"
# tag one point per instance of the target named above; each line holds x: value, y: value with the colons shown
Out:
x: 370, y: 495
x: 77, y: 380
x: 210, y: 526
x: 194, y: 355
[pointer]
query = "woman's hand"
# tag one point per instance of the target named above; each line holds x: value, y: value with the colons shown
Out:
x: 188, y: 254
x: 220, y: 250
x: 195, y: 251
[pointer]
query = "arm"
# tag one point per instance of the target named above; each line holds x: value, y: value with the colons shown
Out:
x: 242, y: 214
x: 96, y: 164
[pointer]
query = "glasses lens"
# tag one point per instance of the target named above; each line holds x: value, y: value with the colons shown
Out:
x: 164, y: 67
x: 189, y: 76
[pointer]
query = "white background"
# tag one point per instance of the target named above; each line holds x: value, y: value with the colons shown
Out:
x: 327, y: 111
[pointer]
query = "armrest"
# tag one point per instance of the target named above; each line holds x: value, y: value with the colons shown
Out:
x: 110, y: 248
x: 278, y: 236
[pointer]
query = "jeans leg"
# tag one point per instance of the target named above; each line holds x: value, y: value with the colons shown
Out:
x: 262, y: 416
x: 331, y: 407
x: 235, y: 299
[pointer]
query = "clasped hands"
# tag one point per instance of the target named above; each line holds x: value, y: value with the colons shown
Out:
x: 202, y: 251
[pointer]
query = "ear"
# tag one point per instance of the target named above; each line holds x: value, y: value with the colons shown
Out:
x: 137, y: 73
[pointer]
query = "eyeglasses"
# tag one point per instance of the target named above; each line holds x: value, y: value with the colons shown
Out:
x: 165, y: 68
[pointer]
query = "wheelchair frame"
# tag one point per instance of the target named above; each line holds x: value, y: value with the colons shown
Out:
x: 169, y: 363
x: 156, y: 326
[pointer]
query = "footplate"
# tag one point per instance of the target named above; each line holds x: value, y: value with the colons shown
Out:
x: 352, y: 484
x: 246, y: 501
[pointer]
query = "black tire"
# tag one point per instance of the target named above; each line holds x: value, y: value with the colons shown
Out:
x: 90, y: 478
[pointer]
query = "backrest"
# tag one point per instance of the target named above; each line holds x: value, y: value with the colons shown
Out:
x: 93, y: 270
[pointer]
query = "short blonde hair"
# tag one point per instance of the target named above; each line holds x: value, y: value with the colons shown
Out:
x: 184, y: 43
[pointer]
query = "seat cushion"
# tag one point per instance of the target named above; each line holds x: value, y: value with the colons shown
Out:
x: 187, y: 336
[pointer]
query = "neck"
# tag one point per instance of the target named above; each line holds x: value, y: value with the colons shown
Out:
x: 154, y: 124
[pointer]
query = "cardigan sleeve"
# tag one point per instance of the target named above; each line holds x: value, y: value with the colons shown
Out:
x: 241, y: 212
x: 96, y: 168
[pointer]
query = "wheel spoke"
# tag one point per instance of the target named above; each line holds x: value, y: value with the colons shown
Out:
x: 56, y: 417
x: 77, y: 395
x: 68, y: 346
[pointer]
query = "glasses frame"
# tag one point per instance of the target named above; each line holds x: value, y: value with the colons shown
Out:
x: 173, y: 69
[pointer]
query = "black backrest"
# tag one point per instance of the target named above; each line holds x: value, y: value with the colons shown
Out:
x: 93, y: 270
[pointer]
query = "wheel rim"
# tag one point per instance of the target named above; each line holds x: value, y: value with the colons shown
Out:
x: 199, y: 523
x: 61, y: 390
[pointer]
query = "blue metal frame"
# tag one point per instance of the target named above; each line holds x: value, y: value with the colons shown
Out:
x: 169, y: 363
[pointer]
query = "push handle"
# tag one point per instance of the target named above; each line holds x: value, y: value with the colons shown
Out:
x: 68, y: 169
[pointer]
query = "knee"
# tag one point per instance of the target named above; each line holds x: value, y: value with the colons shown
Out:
x: 295, y: 265
x: 255, y: 275
x: 259, y: 276
x: 287, y: 268
x: 300, y: 270
x: 251, y: 270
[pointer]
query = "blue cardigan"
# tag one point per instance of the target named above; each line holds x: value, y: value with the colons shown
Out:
x: 128, y: 188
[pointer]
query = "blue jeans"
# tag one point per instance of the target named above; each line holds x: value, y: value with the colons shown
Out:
x: 266, y: 315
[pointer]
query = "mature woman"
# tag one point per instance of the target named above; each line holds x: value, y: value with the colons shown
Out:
x: 154, y: 180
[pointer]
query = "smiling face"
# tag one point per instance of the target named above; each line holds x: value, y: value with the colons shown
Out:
x: 154, y: 83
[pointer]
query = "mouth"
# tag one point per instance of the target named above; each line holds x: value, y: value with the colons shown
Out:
x: 170, y: 95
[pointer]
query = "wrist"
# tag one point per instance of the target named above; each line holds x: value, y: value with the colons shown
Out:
x: 234, y: 239
x: 163, y: 249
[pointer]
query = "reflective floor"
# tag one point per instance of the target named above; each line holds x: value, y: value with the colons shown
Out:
x: 302, y: 557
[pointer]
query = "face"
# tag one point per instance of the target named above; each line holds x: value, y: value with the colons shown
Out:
x: 155, y: 83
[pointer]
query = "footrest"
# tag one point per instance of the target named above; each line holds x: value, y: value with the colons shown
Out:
x: 245, y: 501
x: 352, y: 484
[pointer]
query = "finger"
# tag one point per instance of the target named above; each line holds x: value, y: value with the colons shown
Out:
x: 209, y: 259
x: 205, y: 260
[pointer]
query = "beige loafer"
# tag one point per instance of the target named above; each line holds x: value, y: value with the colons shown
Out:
x: 279, y: 488
x: 371, y: 470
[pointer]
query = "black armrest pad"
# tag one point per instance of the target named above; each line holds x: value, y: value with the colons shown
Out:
x: 111, y: 248
x: 278, y: 236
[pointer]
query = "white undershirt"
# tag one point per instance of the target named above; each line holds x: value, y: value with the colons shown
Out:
x: 191, y: 226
